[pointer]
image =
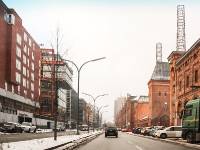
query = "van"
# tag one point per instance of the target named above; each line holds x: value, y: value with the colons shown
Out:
x: 172, y: 131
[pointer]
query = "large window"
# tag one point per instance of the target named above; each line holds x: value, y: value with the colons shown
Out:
x: 159, y: 93
x: 18, y: 64
x: 24, y: 82
x: 18, y: 52
x: 18, y: 77
x: 180, y: 85
x: 196, y: 76
x: 24, y: 70
x: 19, y: 39
x: 25, y: 37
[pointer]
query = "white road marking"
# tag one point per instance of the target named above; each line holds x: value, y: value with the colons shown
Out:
x: 138, y: 147
x: 129, y: 142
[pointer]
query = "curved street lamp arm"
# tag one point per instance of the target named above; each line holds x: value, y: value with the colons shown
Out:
x: 99, y: 96
x: 89, y: 95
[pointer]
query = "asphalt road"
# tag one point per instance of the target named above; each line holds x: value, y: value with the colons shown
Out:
x: 130, y: 142
x: 14, y: 137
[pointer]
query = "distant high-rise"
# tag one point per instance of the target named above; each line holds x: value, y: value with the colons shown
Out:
x: 180, y: 40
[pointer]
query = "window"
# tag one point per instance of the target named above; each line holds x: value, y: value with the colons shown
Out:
x: 32, y: 66
x: 27, y: 84
x: 28, y: 51
x: 18, y: 89
x: 196, y: 76
x: 25, y: 48
x: 159, y: 93
x: 30, y: 42
x: 18, y: 77
x: 18, y: 64
x: 25, y: 37
x: 27, y: 73
x: 180, y: 86
x: 24, y: 70
x: 39, y: 82
x: 6, y: 86
x: 32, y: 76
x: 165, y: 93
x: 32, y: 87
x: 28, y: 62
x: 25, y: 93
x: 18, y: 52
x: 19, y: 39
x: 24, y: 59
x: 12, y: 88
x: 32, y: 55
x: 11, y: 19
x: 24, y: 82
x: 33, y: 46
x: 187, y: 81
x: 32, y: 96
x: 187, y: 112
x: 5, y: 15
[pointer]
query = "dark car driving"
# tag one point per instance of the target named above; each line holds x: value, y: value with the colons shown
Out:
x: 111, y: 131
x: 11, y: 127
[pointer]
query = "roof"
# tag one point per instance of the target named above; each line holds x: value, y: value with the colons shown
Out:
x: 161, y: 71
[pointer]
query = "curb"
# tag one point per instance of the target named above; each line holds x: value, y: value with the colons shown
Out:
x: 75, y: 143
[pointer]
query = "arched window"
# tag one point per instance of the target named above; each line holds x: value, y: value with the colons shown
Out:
x: 159, y: 93
x: 187, y: 81
x: 196, y: 76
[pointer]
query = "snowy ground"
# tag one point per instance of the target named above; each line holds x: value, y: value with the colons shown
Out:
x: 41, y: 144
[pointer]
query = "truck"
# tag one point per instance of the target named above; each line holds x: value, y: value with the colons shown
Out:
x: 190, y: 121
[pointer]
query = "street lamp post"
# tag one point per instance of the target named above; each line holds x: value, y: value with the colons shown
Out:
x: 79, y: 69
x: 94, y: 99
x: 101, y: 116
x: 99, y: 111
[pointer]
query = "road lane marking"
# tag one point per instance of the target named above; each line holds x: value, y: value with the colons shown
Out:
x: 129, y: 142
x: 138, y: 147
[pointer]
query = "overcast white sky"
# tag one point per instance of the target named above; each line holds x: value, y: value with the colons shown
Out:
x: 123, y: 31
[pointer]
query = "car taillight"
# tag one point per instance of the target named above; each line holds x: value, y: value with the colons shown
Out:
x: 116, y: 131
x: 106, y: 131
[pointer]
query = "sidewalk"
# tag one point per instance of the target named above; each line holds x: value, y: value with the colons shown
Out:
x: 170, y: 140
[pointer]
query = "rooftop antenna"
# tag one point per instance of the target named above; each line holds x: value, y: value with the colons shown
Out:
x: 158, y: 52
x: 180, y: 40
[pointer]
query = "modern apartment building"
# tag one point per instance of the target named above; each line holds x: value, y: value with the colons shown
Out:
x: 19, y: 68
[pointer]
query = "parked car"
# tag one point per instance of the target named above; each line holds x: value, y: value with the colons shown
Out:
x: 127, y: 130
x: 147, y: 130
x: 28, y: 127
x: 138, y: 130
x: 172, y: 131
x: 155, y: 130
x: 11, y: 127
x: 111, y: 131
x: 133, y: 130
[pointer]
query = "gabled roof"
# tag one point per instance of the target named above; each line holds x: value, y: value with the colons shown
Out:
x: 161, y: 71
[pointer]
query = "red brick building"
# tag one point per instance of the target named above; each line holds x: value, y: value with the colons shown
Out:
x: 184, y: 82
x: 159, y: 94
x: 19, y: 67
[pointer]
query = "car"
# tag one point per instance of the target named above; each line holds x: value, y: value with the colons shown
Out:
x: 138, y: 130
x: 172, y: 131
x: 111, y: 131
x: 11, y: 127
x: 28, y: 127
x: 127, y: 130
x: 84, y: 129
x: 147, y: 130
x: 155, y: 130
